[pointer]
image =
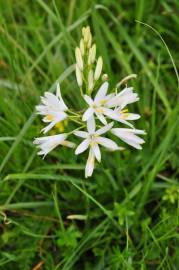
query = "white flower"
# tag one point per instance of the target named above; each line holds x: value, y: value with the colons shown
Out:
x: 92, y: 139
x: 48, y: 143
x: 102, y: 104
x: 98, y: 69
x: 53, y: 108
x: 129, y: 136
x: 124, y: 115
x: 97, y: 106
x: 123, y: 98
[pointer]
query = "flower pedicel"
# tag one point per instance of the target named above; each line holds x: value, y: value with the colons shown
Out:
x: 102, y: 110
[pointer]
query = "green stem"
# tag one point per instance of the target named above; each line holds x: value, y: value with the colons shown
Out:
x: 71, y: 132
x: 81, y: 91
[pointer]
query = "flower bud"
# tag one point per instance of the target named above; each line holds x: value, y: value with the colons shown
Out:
x: 89, y: 40
x: 82, y: 48
x: 83, y: 31
x: 79, y: 76
x: 90, y: 79
x: 105, y: 77
x: 98, y: 69
x: 87, y: 34
x: 79, y: 59
x: 93, y: 53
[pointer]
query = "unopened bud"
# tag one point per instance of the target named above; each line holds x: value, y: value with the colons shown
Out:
x: 82, y: 48
x: 92, y: 54
x: 79, y: 76
x: 83, y: 31
x: 87, y: 34
x: 105, y: 77
x: 89, y: 40
x: 79, y: 59
x: 98, y: 69
x: 90, y: 80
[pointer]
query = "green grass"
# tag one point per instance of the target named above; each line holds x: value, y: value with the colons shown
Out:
x: 128, y: 212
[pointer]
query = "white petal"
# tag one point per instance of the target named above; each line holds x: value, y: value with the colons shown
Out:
x: 90, y: 164
x: 49, y: 127
x: 126, y: 91
x: 88, y: 100
x: 48, y: 143
x: 111, y: 114
x: 50, y: 98
x: 108, y: 143
x: 123, y: 98
x: 133, y: 144
x: 58, y: 94
x: 82, y: 147
x: 96, y: 151
x: 101, y: 118
x: 56, y: 117
x: 132, y: 116
x: 82, y: 134
x: 91, y: 126
x: 104, y: 129
x: 139, y: 131
x: 125, y: 122
x: 101, y: 92
x: 128, y: 100
x: 129, y: 137
x: 68, y: 144
x: 40, y: 140
x: 87, y: 114
x: 135, y: 131
x: 41, y: 109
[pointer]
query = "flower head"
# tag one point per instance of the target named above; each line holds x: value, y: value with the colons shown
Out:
x: 102, y: 105
x: 101, y: 108
x: 52, y: 108
x: 92, y: 139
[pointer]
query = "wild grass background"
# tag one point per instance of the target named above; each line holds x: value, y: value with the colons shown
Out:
x: 129, y: 208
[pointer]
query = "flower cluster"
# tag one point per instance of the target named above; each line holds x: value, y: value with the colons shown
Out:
x: 103, y: 110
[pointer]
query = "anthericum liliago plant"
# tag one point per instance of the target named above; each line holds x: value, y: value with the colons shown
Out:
x: 103, y: 114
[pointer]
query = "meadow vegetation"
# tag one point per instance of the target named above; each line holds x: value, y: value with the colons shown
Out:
x: 126, y: 216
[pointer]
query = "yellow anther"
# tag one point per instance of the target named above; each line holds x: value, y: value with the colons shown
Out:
x: 124, y: 114
x: 124, y: 111
x: 49, y: 117
x: 100, y: 110
x: 103, y: 101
